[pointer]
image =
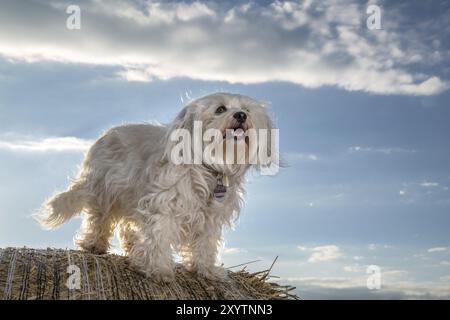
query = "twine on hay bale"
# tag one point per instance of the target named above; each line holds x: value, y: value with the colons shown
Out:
x: 45, y: 274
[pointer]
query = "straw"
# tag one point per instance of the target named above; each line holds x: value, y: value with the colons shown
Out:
x: 43, y: 274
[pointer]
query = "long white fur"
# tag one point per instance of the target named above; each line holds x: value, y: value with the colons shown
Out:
x: 128, y: 181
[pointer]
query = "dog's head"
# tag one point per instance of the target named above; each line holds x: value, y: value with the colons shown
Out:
x: 229, y: 126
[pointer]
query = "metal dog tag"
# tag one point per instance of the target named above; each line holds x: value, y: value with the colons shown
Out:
x: 220, y: 189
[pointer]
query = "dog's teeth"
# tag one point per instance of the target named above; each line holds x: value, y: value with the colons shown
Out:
x: 234, y: 134
x: 238, y: 133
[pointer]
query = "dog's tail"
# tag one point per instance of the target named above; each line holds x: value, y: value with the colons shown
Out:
x: 62, y: 206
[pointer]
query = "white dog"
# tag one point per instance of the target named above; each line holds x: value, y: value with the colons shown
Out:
x: 128, y: 180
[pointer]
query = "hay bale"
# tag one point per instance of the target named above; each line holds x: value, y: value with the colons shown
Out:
x: 69, y: 274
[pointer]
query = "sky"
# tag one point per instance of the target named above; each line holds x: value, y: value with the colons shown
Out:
x: 363, y: 117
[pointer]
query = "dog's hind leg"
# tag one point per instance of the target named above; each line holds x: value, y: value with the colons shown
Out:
x: 96, y: 231
x: 128, y: 234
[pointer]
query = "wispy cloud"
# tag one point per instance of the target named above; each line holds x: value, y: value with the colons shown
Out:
x: 355, y: 149
x: 233, y: 250
x: 375, y: 246
x: 322, y: 253
x: 355, y: 268
x: 317, y: 43
x: 54, y: 144
x: 438, y: 249
x: 299, y: 156
x: 445, y: 279
x: 355, y: 288
x: 429, y: 184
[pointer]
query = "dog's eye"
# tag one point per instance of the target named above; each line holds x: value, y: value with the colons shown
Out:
x: 221, y: 109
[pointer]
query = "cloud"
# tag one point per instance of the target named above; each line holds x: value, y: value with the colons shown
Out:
x: 329, y: 282
x: 310, y: 43
x: 355, y: 149
x: 445, y: 279
x: 394, y: 273
x: 356, y: 268
x: 55, y: 144
x: 374, y: 246
x: 234, y: 250
x: 325, y: 253
x: 429, y: 184
x: 134, y: 75
x: 295, y: 156
x: 438, y: 249
x: 322, y: 253
x: 355, y: 288
x: 389, y: 274
x: 156, y: 13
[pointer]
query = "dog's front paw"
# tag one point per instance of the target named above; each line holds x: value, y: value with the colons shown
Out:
x: 94, y: 249
x: 213, y: 273
x: 164, y: 277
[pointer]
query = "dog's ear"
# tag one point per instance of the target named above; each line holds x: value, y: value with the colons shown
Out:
x: 183, y: 123
x: 184, y: 119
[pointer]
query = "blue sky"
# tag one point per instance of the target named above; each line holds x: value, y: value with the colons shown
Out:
x: 363, y: 117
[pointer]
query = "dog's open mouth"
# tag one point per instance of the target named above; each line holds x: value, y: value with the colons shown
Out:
x: 237, y: 133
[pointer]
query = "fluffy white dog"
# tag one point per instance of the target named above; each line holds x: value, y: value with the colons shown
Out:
x: 128, y: 180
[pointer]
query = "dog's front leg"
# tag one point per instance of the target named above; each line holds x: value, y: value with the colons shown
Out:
x: 205, y: 248
x: 153, y: 253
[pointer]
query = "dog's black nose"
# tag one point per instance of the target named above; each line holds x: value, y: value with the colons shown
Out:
x: 240, y: 116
